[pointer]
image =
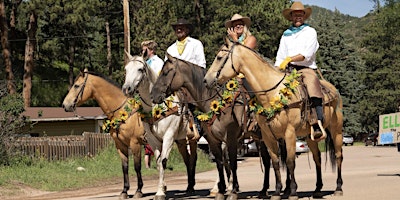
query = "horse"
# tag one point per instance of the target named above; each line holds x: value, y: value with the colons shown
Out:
x: 126, y: 134
x: 287, y: 122
x: 173, y: 127
x: 227, y: 128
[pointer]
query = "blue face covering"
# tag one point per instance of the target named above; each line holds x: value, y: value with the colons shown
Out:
x: 292, y: 30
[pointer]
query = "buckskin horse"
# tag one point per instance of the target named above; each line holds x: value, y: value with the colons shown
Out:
x: 177, y: 74
x: 172, y: 126
x: 126, y: 134
x: 288, y: 122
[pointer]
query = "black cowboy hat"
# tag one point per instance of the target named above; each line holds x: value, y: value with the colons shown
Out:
x: 183, y: 22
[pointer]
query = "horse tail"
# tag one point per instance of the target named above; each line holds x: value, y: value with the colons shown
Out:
x: 283, y: 152
x: 330, y: 149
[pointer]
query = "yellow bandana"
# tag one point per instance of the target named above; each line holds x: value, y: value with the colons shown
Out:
x: 181, y: 45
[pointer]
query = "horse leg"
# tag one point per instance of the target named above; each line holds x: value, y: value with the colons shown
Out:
x: 123, y: 153
x: 291, y: 164
x: 192, y: 166
x: 232, y: 152
x: 182, y: 147
x: 337, y: 142
x: 317, y: 160
x: 266, y: 160
x: 216, y: 150
x: 162, y: 160
x: 136, y: 149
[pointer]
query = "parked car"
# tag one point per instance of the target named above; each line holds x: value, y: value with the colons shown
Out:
x: 301, y: 147
x: 372, y: 139
x: 348, y: 139
x: 250, y: 147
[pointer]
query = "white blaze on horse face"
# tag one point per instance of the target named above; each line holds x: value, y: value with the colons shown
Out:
x: 134, y: 73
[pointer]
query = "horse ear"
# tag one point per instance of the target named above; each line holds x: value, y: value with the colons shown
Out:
x: 169, y: 57
x: 145, y: 54
x: 228, y: 41
x: 128, y: 55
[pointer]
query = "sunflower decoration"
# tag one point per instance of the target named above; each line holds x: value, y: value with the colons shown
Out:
x: 157, y: 111
x: 278, y: 102
x: 124, y: 115
x: 106, y: 126
x: 169, y: 102
x: 215, y: 106
x: 227, y: 97
x: 232, y: 85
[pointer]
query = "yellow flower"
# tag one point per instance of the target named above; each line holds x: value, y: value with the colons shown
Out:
x: 203, y: 117
x: 231, y: 85
x: 131, y: 101
x: 124, y: 115
x: 168, y: 103
x: 286, y: 91
x: 157, y: 111
x: 294, y: 84
x: 214, y: 106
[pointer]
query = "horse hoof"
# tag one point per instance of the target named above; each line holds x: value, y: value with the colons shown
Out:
x: 213, y: 193
x: 190, y: 191
x: 160, y: 197
x: 138, y: 195
x: 232, y: 196
x: 338, y: 193
x: 123, y: 196
x: 293, y: 198
x: 275, y: 197
x: 263, y: 195
x: 219, y: 196
x: 317, y: 195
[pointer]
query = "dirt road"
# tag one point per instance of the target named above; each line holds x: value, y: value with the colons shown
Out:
x: 368, y: 173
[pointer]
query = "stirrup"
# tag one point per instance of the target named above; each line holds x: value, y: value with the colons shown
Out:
x: 313, y: 134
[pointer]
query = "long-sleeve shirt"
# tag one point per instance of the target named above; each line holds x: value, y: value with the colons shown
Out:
x: 194, y: 52
x: 303, y: 42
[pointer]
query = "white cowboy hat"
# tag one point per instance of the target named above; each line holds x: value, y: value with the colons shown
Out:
x: 296, y: 6
x: 236, y: 17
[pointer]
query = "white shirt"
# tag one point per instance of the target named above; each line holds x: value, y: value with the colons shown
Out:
x: 156, y: 64
x: 304, y: 42
x: 194, y: 52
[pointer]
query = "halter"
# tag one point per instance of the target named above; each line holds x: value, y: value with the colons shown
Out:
x: 80, y: 94
x: 230, y: 52
x: 141, y: 80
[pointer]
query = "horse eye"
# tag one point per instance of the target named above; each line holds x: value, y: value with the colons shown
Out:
x: 76, y: 86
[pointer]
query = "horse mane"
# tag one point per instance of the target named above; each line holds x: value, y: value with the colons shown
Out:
x: 104, y: 77
x: 259, y: 55
x: 198, y: 72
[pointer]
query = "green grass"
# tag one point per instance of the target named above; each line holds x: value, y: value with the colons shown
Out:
x: 62, y: 175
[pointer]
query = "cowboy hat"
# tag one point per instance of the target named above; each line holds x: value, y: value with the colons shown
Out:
x: 236, y: 17
x: 296, y: 6
x: 182, y: 22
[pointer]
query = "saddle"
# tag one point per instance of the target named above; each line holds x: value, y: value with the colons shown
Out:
x: 308, y: 112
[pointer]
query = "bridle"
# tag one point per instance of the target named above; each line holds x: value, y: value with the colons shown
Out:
x: 230, y: 54
x: 144, y: 73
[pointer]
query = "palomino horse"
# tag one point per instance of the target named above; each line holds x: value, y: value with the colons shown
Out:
x: 173, y: 127
x: 286, y: 123
x: 112, y: 101
x: 177, y: 74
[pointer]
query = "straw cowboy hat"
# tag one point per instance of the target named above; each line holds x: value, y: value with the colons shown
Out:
x: 236, y: 17
x: 183, y: 22
x: 296, y: 6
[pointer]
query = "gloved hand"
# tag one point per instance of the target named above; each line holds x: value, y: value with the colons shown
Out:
x: 285, y: 63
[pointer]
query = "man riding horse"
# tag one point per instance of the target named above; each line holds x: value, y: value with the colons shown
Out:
x: 297, y: 49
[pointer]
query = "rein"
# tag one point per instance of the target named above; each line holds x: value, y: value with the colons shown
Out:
x: 230, y: 52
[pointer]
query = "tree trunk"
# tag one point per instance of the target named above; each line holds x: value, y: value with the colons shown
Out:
x: 127, y: 40
x: 109, y: 57
x: 6, y: 51
x: 29, y: 58
x: 71, y: 62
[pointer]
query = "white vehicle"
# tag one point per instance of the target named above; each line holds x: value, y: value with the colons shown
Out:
x: 348, y: 139
x: 301, y: 147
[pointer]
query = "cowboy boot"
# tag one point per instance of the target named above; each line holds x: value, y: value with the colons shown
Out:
x: 318, y: 131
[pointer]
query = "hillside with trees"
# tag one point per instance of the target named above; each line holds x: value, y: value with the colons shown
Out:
x: 45, y: 43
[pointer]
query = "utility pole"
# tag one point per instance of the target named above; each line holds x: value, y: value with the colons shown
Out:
x: 127, y: 32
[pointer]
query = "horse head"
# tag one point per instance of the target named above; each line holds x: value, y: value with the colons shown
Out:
x: 77, y: 93
x: 136, y: 71
x: 222, y: 68
x: 168, y: 81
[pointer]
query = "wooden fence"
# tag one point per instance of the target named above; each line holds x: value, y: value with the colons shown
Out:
x: 62, y: 147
